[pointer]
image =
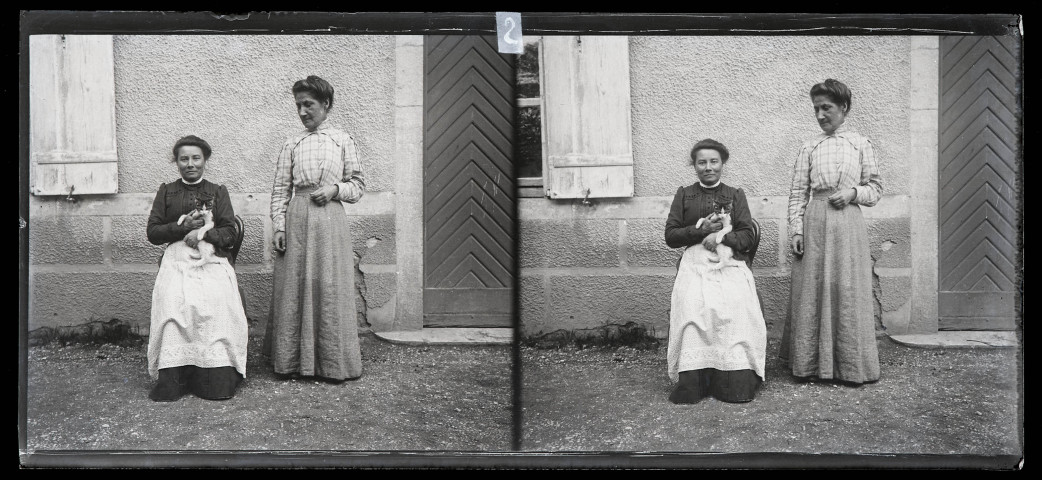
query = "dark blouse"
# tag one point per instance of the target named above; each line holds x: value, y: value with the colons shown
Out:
x: 177, y: 198
x: 694, y: 202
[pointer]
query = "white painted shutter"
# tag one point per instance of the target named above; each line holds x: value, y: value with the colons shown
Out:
x: 586, y: 101
x: 72, y: 104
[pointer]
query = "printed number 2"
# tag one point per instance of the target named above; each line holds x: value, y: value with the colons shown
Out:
x: 509, y: 23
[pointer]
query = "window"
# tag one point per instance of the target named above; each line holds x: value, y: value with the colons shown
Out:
x: 529, y: 137
x: 583, y: 110
x: 72, y: 110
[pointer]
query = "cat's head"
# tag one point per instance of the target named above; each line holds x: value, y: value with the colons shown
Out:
x: 204, y: 202
x: 722, y: 207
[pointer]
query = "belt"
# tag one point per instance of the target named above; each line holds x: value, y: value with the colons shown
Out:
x: 304, y: 190
x: 822, y: 194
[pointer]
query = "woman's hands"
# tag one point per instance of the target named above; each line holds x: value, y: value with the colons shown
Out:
x: 841, y: 198
x: 710, y: 227
x: 324, y: 195
x: 320, y: 196
x: 797, y: 245
x: 194, y: 221
x: 278, y: 242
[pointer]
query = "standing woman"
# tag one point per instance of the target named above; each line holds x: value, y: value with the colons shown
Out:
x: 831, y: 331
x: 315, y: 331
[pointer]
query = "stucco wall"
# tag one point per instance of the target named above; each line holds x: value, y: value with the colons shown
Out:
x: 607, y: 263
x: 234, y: 91
x: 752, y: 94
x: 90, y: 259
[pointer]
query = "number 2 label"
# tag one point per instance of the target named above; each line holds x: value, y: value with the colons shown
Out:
x: 508, y: 28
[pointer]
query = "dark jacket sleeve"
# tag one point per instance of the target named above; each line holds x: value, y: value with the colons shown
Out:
x: 742, y: 234
x: 677, y: 234
x: 159, y: 231
x: 223, y: 232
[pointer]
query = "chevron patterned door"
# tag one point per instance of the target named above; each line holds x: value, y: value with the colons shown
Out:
x: 469, y: 192
x: 979, y: 127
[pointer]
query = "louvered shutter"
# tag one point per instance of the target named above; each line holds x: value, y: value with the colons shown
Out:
x: 586, y: 101
x: 72, y: 115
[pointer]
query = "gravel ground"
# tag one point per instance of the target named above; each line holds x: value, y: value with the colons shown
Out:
x: 929, y: 401
x: 425, y: 398
x: 591, y: 401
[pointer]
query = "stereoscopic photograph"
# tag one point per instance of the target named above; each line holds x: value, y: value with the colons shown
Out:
x: 521, y: 240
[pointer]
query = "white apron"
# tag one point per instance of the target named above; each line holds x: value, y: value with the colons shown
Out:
x: 197, y: 315
x: 715, y: 320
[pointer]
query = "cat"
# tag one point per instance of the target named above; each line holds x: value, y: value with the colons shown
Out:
x: 722, y: 213
x: 206, y: 251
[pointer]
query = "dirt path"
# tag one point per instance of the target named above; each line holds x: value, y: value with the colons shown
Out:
x: 952, y: 401
x: 410, y: 398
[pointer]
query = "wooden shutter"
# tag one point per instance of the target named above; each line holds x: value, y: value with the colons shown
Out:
x: 586, y: 101
x: 72, y: 105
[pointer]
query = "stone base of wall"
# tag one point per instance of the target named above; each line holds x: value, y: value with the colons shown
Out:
x: 581, y: 267
x: 90, y: 260
x: 63, y: 297
x: 577, y: 299
x: 586, y: 267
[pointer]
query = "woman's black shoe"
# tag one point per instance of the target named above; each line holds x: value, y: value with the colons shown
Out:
x: 691, y: 388
x: 172, y: 385
x: 738, y: 386
x: 215, y: 383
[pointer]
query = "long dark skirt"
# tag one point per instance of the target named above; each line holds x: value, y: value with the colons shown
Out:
x: 218, y: 383
x: 831, y: 329
x: 732, y: 386
x: 314, y: 329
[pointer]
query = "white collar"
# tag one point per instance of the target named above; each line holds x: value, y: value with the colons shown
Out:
x: 319, y: 129
x: 717, y: 184
x: 192, y: 183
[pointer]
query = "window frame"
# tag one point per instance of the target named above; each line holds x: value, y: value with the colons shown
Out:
x: 534, y: 187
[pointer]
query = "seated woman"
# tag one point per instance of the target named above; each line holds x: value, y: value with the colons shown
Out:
x: 198, y: 334
x: 717, y: 335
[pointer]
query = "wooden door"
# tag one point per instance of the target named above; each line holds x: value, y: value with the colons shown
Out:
x: 979, y: 127
x: 469, y: 191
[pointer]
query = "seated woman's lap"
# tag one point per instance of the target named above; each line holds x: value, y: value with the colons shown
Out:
x: 716, y: 308
x: 196, y: 309
x: 697, y: 255
x: 181, y: 253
